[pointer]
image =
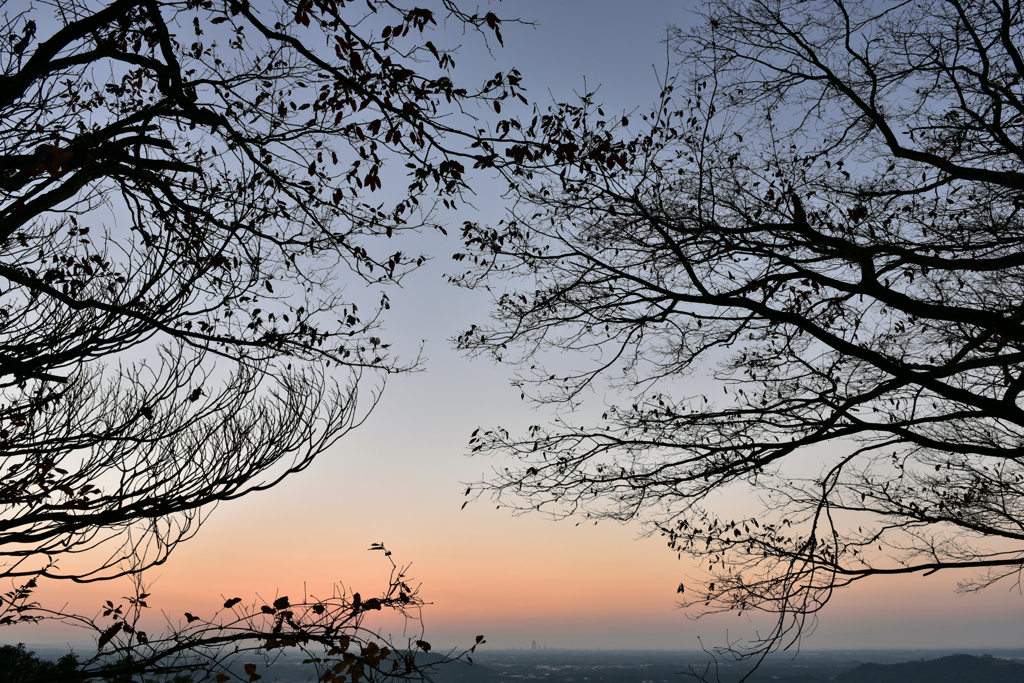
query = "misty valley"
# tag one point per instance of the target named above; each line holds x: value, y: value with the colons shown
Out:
x: 631, y: 666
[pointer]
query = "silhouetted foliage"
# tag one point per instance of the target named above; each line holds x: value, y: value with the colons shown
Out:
x: 18, y: 665
x: 822, y: 215
x: 242, y: 641
x: 185, y: 192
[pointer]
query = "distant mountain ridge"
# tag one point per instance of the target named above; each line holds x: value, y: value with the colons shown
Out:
x: 951, y: 669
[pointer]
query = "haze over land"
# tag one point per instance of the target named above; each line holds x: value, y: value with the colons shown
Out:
x: 638, y: 666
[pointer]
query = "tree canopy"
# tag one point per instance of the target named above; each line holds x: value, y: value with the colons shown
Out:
x: 820, y: 220
x: 191, y: 209
x: 198, y: 225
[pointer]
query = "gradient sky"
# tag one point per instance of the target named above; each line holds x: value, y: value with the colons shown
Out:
x: 397, y: 479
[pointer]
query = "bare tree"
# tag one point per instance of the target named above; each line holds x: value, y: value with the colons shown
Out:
x: 186, y: 190
x: 821, y: 216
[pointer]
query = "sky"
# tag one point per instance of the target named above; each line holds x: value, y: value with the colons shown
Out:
x: 398, y: 479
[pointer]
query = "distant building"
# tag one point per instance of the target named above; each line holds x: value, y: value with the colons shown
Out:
x: 533, y: 645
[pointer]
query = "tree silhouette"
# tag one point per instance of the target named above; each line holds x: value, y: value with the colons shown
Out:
x: 18, y: 664
x: 186, y: 189
x: 821, y: 216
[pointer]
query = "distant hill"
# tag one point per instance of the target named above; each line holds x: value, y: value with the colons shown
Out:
x: 952, y: 669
